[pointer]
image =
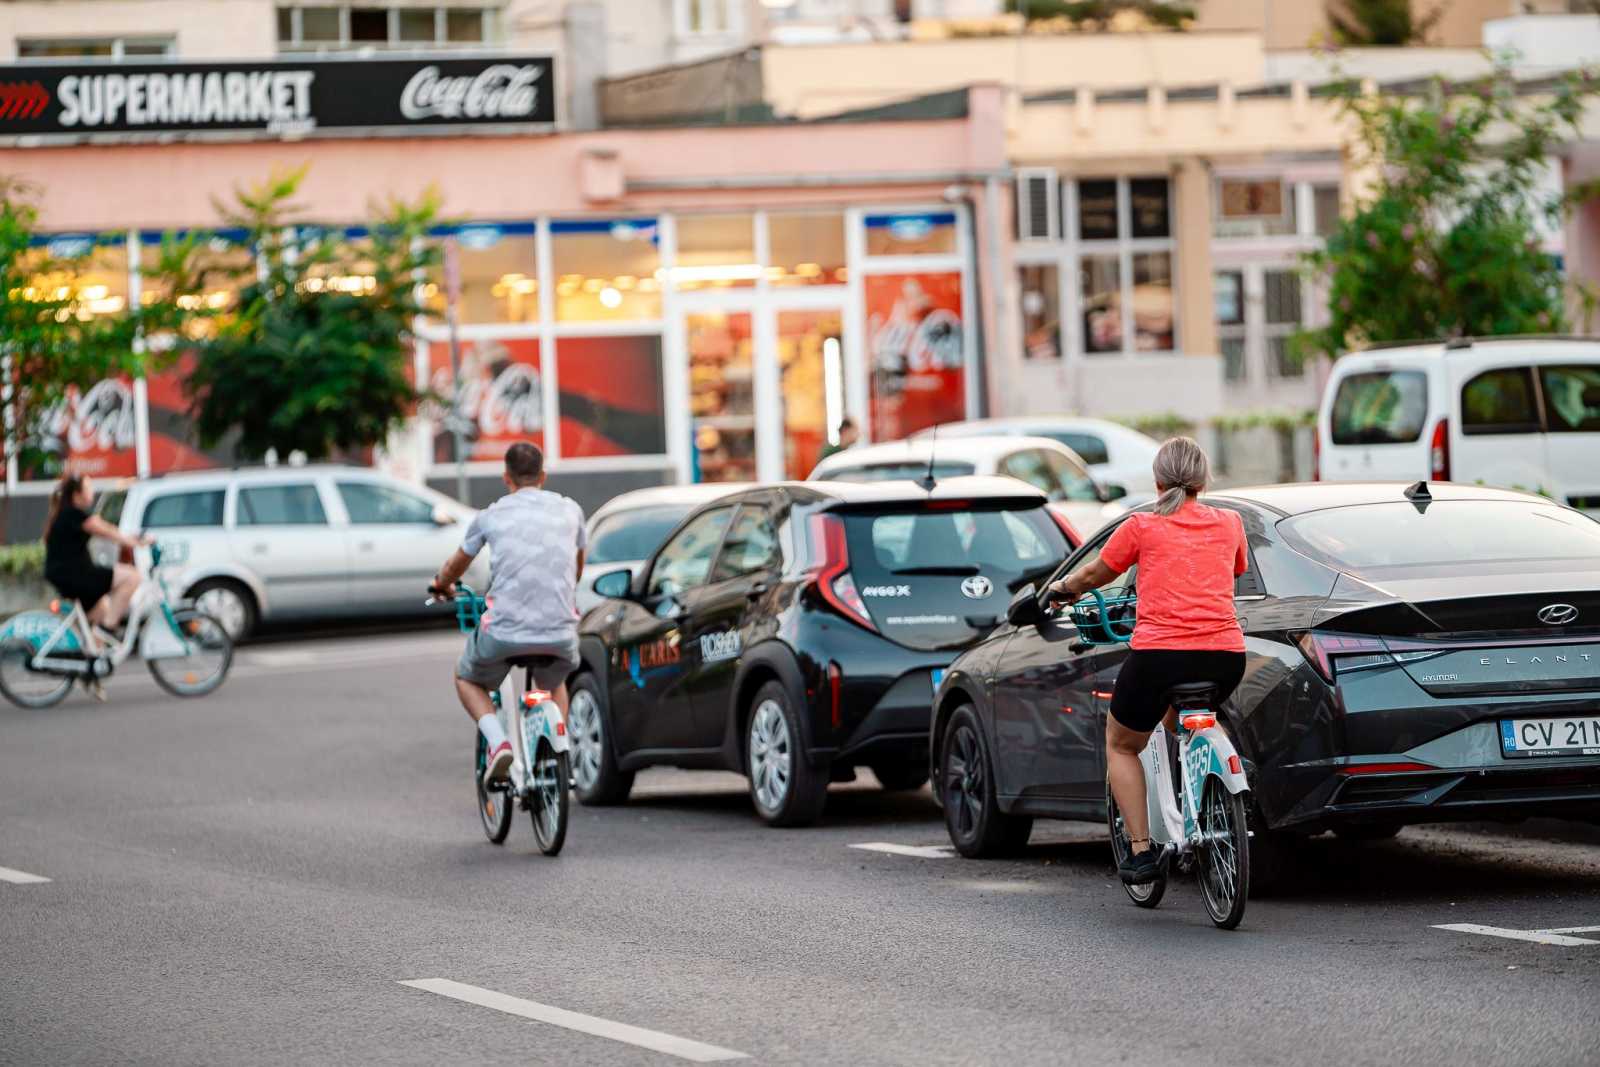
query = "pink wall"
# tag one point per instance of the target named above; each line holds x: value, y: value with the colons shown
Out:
x: 96, y: 187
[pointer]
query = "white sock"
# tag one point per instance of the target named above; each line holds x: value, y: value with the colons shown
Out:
x: 489, y: 726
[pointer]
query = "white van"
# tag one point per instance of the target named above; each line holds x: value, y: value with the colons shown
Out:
x: 1519, y: 412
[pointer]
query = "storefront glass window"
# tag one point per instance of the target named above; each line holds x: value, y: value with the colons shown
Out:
x: 222, y: 263
x: 1101, y: 287
x: 612, y: 401
x: 806, y: 248
x: 88, y: 271
x: 498, y: 282
x: 1039, y: 289
x: 722, y: 395
x: 1153, y: 307
x: 716, y: 252
x: 1149, y: 207
x: 1325, y: 201
x: 917, y: 347
x: 1253, y: 207
x: 606, y: 269
x: 810, y: 360
x: 1097, y: 210
x: 916, y: 234
x: 502, y: 396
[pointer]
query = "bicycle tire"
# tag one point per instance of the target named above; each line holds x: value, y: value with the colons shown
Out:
x: 495, y: 806
x: 1145, y: 896
x: 551, y: 798
x: 14, y: 655
x: 1224, y: 879
x: 192, y: 622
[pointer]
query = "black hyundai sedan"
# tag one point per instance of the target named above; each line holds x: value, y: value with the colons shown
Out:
x: 796, y: 632
x: 1415, y: 654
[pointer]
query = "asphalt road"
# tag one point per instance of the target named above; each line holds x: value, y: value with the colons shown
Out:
x: 250, y: 878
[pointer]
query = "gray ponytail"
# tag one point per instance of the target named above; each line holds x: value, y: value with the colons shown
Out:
x: 1181, y: 465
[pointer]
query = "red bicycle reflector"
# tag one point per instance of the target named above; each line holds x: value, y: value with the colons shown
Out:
x: 55, y: 607
x: 1234, y: 766
x: 1198, y: 720
x: 534, y: 696
x: 561, y: 728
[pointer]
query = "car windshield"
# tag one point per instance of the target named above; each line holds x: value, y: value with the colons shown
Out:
x: 894, y: 472
x: 636, y: 534
x: 1374, y: 538
x: 1380, y: 408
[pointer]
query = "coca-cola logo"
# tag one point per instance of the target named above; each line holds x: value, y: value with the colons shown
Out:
x: 932, y: 342
x: 500, y: 91
x: 100, y: 420
x: 507, y: 402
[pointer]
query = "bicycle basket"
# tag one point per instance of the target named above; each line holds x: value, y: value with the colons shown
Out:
x: 1103, y: 620
x: 469, y: 609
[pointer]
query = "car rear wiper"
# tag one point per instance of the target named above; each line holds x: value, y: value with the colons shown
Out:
x: 958, y: 569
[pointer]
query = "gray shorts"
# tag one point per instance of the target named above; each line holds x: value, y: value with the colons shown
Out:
x: 487, y: 660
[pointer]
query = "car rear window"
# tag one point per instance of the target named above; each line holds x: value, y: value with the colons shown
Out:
x: 894, y: 472
x: 635, y: 534
x: 203, y: 508
x: 1375, y: 538
x: 942, y: 578
x: 1380, y: 408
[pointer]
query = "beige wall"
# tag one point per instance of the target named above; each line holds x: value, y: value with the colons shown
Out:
x: 204, y: 29
x: 811, y: 80
x: 1293, y: 23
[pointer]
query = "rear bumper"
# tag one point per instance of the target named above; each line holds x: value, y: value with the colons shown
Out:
x: 894, y: 728
x: 1563, y: 788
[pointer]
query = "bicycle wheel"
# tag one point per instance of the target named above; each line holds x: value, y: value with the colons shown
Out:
x: 24, y: 686
x: 205, y: 665
x: 494, y: 805
x: 1224, y: 854
x: 549, y: 798
x: 1149, y: 894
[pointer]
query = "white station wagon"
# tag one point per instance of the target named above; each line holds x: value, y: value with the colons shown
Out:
x: 294, y: 542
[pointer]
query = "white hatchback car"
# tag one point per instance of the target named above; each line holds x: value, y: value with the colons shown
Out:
x: 294, y: 542
x: 1115, y: 454
x: 1049, y: 466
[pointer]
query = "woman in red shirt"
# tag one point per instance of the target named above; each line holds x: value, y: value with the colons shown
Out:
x: 1188, y: 555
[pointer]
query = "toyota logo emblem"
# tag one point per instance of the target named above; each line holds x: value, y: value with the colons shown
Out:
x: 1558, y: 614
x: 978, y: 587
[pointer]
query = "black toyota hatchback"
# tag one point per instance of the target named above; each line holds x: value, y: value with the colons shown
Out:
x: 1414, y: 655
x: 796, y: 632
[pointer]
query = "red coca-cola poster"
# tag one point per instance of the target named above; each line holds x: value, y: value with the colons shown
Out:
x: 611, y: 400
x: 918, y: 350
x: 502, y: 396
x: 172, y: 444
x: 93, y: 433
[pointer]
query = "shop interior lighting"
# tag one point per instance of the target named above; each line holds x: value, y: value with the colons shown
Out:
x: 730, y: 272
x: 833, y: 386
x: 611, y: 297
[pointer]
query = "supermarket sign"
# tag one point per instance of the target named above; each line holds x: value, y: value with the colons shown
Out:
x: 285, y: 98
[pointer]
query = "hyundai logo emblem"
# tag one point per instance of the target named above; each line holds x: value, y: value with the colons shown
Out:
x: 978, y: 587
x: 1558, y: 614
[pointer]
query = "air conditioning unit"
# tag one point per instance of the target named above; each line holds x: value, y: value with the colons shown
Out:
x: 1038, y: 204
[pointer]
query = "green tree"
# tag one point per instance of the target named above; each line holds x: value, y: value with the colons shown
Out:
x: 1446, y: 242
x: 51, y: 343
x: 1380, y: 23
x: 1098, y: 14
x: 315, y: 355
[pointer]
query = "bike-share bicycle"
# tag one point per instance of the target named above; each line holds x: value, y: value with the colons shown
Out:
x: 540, y: 773
x: 1198, y: 821
x: 43, y: 652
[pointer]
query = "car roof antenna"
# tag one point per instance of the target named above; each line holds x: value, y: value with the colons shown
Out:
x: 1418, y: 494
x: 928, y: 482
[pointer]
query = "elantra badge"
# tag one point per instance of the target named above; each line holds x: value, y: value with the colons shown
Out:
x: 978, y: 588
x: 1558, y: 614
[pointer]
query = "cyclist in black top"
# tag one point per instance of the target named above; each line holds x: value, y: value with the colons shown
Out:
x: 104, y: 592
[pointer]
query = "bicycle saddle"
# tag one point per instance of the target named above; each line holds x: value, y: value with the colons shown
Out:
x: 1193, y: 696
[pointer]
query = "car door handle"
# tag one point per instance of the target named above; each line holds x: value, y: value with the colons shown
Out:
x: 760, y: 589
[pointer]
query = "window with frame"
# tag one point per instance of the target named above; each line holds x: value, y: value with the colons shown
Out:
x: 1038, y: 287
x: 111, y: 48
x: 685, y: 561
x: 751, y: 546
x: 181, y: 509
x: 280, y: 505
x: 1572, y: 398
x: 1500, y: 401
x: 1125, y: 263
x: 370, y: 504
x: 707, y: 18
x: 327, y: 27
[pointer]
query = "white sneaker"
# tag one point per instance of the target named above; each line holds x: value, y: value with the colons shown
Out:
x: 498, y: 768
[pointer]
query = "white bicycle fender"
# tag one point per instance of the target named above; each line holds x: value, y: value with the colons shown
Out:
x: 1211, y: 751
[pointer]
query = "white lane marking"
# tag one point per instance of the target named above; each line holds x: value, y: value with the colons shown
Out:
x: 20, y: 877
x: 1573, y: 930
x: 924, y: 852
x: 654, y: 1040
x: 1540, y: 937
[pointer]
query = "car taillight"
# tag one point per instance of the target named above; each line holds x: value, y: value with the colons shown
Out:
x: 1439, y: 452
x: 837, y: 588
x: 1069, y: 531
x: 1316, y: 455
x: 1331, y: 653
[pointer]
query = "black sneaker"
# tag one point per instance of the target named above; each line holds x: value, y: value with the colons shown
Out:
x: 1141, y: 868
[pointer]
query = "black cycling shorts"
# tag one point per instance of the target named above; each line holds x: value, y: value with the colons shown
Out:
x: 1138, y: 701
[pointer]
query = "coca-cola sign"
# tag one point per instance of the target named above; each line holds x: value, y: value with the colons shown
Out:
x: 279, y: 98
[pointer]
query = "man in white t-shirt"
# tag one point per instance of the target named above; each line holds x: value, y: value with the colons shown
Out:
x: 536, y: 541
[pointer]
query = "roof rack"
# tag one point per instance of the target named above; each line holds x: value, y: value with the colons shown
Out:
x: 1456, y: 344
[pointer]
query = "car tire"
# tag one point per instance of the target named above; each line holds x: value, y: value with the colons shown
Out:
x: 230, y: 603
x: 901, y: 777
x: 784, y: 786
x: 972, y: 816
x: 595, y: 774
x: 1368, y: 832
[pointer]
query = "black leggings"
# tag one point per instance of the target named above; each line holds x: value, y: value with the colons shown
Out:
x: 1137, y: 701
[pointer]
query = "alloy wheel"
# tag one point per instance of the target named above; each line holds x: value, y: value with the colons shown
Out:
x: 584, y: 723
x: 226, y: 606
x: 771, y: 755
x: 964, y: 781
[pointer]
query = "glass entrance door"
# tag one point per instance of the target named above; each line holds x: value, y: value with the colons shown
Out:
x: 810, y: 365
x: 722, y: 404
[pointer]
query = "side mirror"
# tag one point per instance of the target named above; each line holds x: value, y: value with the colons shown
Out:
x: 1024, y: 609
x: 614, y: 585
x: 442, y: 517
x: 1112, y: 491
